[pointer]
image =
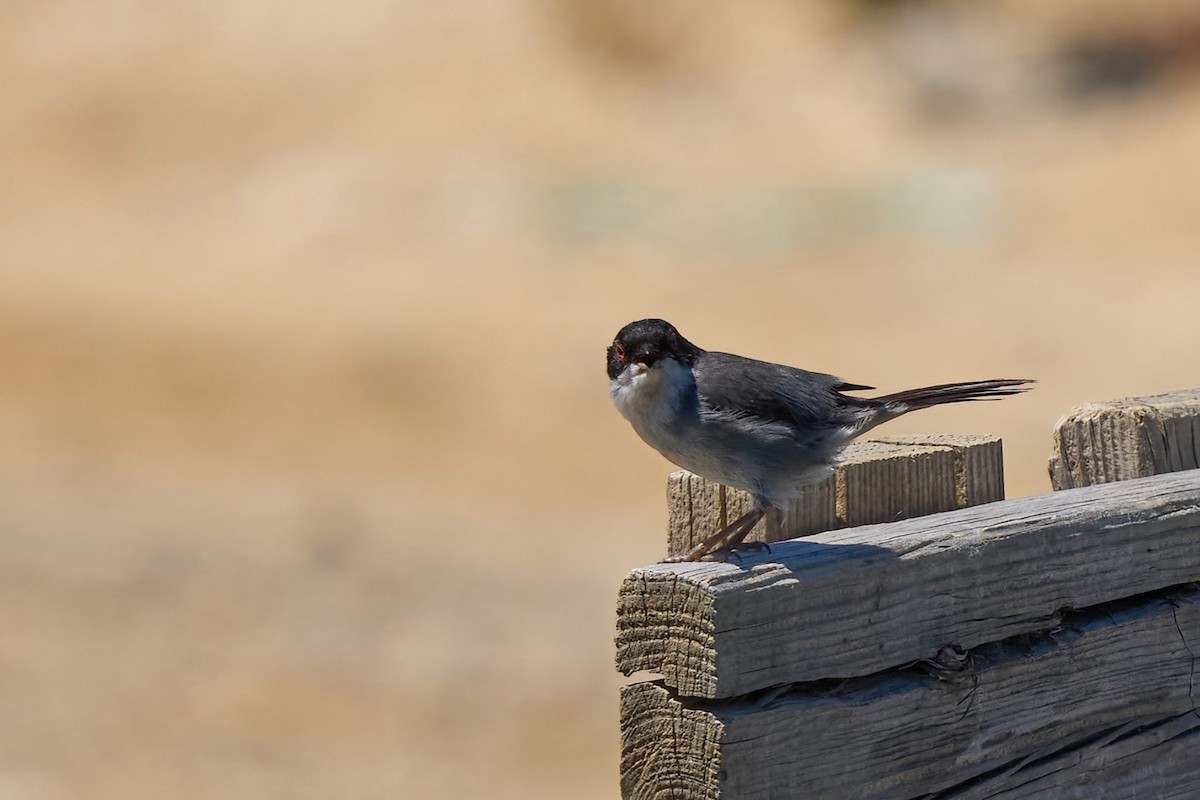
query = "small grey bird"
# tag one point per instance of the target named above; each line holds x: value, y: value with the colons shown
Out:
x: 766, y: 428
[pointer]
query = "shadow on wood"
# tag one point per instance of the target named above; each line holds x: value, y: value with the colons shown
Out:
x: 882, y: 480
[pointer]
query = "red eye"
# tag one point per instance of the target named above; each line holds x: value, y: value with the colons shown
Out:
x: 619, y: 351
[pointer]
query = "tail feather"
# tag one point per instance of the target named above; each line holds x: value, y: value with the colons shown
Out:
x: 912, y: 399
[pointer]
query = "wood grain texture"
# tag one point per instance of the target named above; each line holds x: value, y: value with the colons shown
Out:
x: 1129, y: 438
x: 668, y: 751
x: 978, y: 464
x: 1155, y: 761
x: 877, y: 481
x: 882, y: 482
x: 1059, y: 700
x: 856, y: 601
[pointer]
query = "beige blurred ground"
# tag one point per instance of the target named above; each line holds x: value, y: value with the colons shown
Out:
x: 310, y: 486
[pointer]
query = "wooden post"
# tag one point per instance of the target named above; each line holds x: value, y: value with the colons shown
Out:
x: 1044, y: 647
x: 1130, y: 438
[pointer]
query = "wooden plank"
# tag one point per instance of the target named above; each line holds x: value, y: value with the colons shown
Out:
x: 1020, y: 705
x: 882, y: 482
x: 877, y: 481
x: 1150, y: 762
x: 1129, y: 438
x: 978, y: 464
x: 860, y: 600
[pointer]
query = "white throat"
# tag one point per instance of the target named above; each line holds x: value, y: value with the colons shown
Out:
x: 651, y: 397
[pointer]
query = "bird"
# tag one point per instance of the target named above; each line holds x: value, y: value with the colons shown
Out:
x: 766, y: 428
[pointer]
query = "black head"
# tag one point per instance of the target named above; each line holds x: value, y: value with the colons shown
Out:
x: 648, y: 341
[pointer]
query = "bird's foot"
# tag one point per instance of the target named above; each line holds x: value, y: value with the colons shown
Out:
x: 736, y: 551
x: 723, y: 554
x: 726, y: 539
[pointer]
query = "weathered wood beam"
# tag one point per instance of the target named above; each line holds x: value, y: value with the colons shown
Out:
x: 1151, y: 761
x: 883, y: 480
x: 992, y: 722
x: 857, y: 601
x: 1130, y: 438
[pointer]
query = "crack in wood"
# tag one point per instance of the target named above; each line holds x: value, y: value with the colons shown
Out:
x: 1059, y: 759
x: 1174, y: 604
x: 954, y: 664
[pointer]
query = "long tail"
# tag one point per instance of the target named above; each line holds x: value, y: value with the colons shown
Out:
x: 912, y: 399
x: 875, y: 411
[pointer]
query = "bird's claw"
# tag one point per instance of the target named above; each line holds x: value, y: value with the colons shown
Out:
x: 736, y: 551
x: 723, y: 554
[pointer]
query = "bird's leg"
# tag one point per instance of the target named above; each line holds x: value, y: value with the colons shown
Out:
x: 774, y: 534
x: 732, y: 534
x: 735, y: 541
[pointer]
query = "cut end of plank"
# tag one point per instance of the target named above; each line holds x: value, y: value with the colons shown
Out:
x: 665, y: 625
x: 668, y: 752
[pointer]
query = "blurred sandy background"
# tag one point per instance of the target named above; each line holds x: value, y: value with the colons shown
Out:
x: 310, y: 486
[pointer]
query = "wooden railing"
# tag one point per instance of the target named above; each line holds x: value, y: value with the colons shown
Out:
x: 1040, y: 647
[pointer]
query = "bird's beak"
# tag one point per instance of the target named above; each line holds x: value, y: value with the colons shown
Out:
x: 647, y: 355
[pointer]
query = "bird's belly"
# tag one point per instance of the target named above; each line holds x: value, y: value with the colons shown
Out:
x: 772, y: 465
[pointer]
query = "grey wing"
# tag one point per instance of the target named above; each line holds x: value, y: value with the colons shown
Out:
x: 774, y: 392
